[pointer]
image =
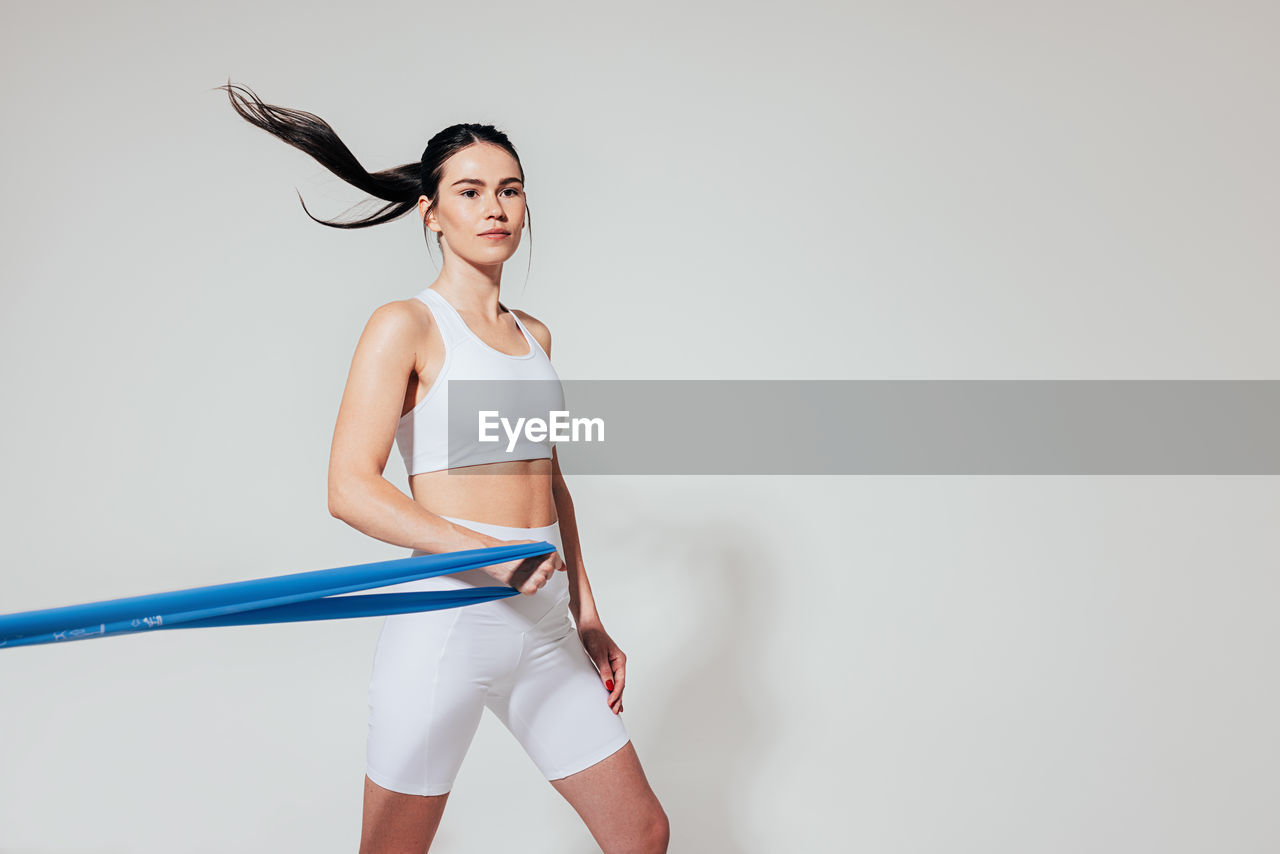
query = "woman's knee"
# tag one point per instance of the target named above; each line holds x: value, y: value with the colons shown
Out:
x: 660, y: 833
x: 654, y: 837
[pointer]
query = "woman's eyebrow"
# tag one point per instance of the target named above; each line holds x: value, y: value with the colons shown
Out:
x: 481, y: 183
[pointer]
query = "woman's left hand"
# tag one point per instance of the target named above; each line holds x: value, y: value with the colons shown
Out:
x: 609, y: 660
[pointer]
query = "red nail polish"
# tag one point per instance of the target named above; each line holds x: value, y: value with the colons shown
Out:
x: 608, y: 684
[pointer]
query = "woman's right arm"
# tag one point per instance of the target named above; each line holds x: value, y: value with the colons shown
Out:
x: 385, y: 358
x: 359, y: 495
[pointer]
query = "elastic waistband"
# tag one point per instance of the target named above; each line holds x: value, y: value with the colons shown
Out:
x: 505, y: 532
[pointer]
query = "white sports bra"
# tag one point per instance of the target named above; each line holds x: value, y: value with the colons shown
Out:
x: 429, y: 441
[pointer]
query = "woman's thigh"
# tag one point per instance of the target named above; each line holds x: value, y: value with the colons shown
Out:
x: 555, y: 703
x: 426, y: 694
x: 396, y: 822
x: 616, y: 803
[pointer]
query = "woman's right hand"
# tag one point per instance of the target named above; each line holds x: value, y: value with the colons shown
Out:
x: 528, y: 575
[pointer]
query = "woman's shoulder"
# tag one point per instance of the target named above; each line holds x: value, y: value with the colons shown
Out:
x: 409, y: 315
x: 402, y: 321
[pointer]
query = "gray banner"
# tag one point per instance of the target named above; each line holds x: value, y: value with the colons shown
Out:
x: 889, y: 426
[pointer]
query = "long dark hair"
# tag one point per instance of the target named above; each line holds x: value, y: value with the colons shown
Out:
x: 399, y: 186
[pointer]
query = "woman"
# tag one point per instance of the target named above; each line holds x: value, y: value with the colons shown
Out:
x: 435, y: 671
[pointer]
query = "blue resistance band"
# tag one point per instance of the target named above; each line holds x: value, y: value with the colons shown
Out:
x: 278, y: 599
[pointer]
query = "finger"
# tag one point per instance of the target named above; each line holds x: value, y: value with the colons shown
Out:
x: 535, y: 582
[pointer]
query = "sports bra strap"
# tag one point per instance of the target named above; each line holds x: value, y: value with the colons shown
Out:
x: 446, y: 320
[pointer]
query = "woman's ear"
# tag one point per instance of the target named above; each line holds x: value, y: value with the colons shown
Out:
x: 428, y: 219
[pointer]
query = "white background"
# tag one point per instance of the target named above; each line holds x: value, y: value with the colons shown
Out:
x: 719, y: 190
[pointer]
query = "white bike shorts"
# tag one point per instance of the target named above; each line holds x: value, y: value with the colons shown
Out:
x: 434, y: 672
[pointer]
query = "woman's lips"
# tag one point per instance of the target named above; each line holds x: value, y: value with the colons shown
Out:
x: 496, y: 235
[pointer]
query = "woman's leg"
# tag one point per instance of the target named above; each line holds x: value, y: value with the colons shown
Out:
x: 556, y: 705
x: 619, y: 808
x: 396, y: 823
x: 426, y: 697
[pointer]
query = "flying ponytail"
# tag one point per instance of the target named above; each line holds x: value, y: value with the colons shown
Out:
x: 400, y: 186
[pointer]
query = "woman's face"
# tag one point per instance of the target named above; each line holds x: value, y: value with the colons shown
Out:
x: 479, y: 192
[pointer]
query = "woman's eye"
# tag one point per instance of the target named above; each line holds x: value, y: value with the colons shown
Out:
x: 508, y: 189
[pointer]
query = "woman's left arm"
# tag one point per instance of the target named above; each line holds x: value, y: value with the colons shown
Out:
x: 581, y: 602
x: 609, y: 659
